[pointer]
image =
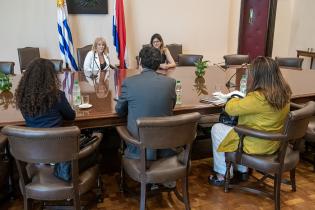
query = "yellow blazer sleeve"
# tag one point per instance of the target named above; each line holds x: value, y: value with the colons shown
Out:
x: 243, y: 106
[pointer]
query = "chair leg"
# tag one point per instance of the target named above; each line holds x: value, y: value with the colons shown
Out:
x: 99, y: 190
x: 122, y: 179
x: 76, y: 201
x: 277, y: 186
x: 292, y: 179
x: 143, y: 196
x: 27, y: 204
x: 122, y: 172
x: 186, y: 193
x: 227, y: 176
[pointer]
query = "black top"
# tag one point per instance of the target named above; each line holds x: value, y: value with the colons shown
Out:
x: 103, y: 65
x: 54, y: 117
x: 163, y: 58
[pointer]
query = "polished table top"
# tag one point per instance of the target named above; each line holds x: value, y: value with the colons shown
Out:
x: 102, y: 92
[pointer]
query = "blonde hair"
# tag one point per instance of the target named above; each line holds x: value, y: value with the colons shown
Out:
x: 97, y: 40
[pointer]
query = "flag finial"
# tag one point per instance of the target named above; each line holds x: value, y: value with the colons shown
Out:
x: 60, y: 3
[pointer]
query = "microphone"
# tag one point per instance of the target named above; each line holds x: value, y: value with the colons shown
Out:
x: 113, y: 67
x: 220, y: 67
x: 229, y: 84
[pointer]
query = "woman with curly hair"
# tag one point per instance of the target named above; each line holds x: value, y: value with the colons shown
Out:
x: 38, y: 97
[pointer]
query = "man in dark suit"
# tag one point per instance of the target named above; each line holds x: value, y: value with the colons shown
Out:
x: 147, y: 94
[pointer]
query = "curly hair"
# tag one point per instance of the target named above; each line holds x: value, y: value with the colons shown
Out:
x: 38, y: 89
x: 150, y: 58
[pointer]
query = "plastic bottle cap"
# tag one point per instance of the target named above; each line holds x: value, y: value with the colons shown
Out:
x: 177, y: 81
x: 76, y: 81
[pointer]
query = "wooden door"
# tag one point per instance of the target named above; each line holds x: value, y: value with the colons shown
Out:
x: 257, y: 27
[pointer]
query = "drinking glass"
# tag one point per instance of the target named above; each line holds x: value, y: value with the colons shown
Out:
x: 217, y: 88
x: 85, y: 99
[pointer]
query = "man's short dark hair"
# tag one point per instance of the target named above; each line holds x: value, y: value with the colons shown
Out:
x: 150, y: 57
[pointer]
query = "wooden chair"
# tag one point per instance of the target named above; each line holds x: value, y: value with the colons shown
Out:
x: 235, y: 59
x: 161, y: 133
x: 175, y: 50
x: 188, y: 59
x: 39, y: 147
x: 4, y: 168
x: 57, y: 64
x: 81, y: 53
x: 274, y: 165
x: 291, y: 62
x: 7, y: 67
x: 26, y: 55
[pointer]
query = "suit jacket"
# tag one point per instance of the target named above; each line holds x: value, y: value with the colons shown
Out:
x: 92, y: 63
x: 146, y: 95
x: 255, y: 112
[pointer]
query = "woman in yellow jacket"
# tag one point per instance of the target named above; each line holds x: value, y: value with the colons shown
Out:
x: 265, y: 107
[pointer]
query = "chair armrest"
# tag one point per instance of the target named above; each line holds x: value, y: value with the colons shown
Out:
x: 113, y: 67
x: 126, y: 136
x: 294, y: 106
x: 3, y: 141
x: 245, y: 131
x: 86, y: 151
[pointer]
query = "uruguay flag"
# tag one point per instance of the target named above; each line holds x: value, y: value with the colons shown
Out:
x: 65, y: 37
x: 119, y: 33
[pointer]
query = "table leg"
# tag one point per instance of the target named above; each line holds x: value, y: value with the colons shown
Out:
x: 311, y: 62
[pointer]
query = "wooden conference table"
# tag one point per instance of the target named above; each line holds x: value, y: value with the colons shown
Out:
x: 102, y: 92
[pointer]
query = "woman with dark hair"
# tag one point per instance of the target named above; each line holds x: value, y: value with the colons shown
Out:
x: 43, y: 105
x: 38, y: 97
x: 167, y: 60
x: 265, y: 108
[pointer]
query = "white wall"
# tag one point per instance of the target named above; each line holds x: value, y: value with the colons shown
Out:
x: 295, y: 28
x: 207, y: 27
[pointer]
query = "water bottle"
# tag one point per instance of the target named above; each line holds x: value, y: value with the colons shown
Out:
x: 178, y: 89
x: 76, y: 93
x: 243, y: 84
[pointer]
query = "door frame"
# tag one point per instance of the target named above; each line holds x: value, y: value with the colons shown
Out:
x: 272, y: 10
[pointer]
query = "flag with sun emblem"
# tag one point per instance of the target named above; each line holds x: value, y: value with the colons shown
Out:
x: 65, y: 37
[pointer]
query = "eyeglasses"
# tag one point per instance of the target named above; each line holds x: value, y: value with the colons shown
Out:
x: 156, y: 42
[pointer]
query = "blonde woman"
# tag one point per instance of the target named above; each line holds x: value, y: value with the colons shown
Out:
x: 167, y: 60
x: 97, y: 59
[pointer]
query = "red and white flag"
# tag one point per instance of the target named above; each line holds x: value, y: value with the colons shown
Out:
x: 119, y: 33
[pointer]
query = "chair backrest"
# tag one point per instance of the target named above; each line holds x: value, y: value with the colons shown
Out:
x: 290, y: 62
x: 175, y: 50
x: 295, y: 128
x: 188, y: 59
x: 26, y: 55
x: 168, y: 132
x: 298, y: 120
x: 146, y: 45
x: 235, y: 59
x: 81, y: 53
x: 57, y: 64
x: 43, y: 145
x: 7, y: 67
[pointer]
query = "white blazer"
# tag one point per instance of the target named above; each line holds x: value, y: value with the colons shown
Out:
x: 92, y: 63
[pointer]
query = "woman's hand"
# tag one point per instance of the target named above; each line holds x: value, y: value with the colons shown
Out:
x: 164, y: 66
